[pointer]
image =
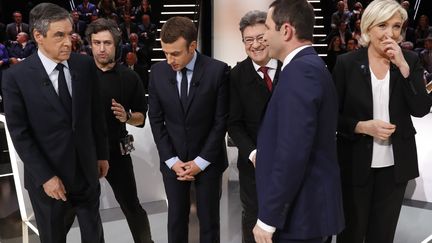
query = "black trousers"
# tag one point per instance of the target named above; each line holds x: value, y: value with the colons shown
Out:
x: 372, y: 211
x: 208, y: 193
x: 54, y: 217
x: 249, y: 200
x: 122, y: 180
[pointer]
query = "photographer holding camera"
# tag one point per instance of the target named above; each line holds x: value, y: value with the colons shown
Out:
x: 124, y: 101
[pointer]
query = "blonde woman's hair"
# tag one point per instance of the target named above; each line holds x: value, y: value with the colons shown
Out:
x: 376, y: 12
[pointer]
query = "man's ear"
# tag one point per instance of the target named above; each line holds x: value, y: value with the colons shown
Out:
x: 37, y: 36
x: 193, y: 46
x: 288, y: 31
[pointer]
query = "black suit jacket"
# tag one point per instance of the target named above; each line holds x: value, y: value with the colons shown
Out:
x: 48, y: 140
x: 198, y: 131
x: 248, y: 100
x: 408, y: 98
x: 11, y: 31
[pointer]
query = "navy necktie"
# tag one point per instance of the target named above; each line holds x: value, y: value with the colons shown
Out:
x: 63, y: 90
x: 184, y: 89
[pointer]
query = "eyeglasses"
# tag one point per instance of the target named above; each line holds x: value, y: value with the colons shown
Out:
x: 250, y: 40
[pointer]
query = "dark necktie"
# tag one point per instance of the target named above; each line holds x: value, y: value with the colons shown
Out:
x: 267, y: 78
x: 63, y: 91
x: 18, y: 28
x: 184, y: 89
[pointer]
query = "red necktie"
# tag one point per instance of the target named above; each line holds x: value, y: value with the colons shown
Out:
x: 267, y: 78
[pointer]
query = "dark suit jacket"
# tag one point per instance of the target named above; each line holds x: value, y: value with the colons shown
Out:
x: 297, y: 174
x: 248, y: 100
x: 16, y: 50
x: 11, y: 31
x: 198, y: 131
x: 352, y: 77
x: 48, y: 139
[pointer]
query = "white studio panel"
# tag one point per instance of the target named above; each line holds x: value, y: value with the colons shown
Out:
x: 421, y: 188
x: 146, y: 163
x: 227, y: 39
x: 146, y: 166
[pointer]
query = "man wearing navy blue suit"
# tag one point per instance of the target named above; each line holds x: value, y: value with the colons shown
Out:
x: 188, y: 108
x: 297, y: 175
x: 55, y: 119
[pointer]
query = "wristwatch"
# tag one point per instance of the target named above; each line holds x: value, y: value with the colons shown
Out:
x: 128, y: 116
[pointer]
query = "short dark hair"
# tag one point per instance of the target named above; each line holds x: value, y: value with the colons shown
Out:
x: 252, y: 18
x: 177, y: 27
x: 103, y: 24
x: 43, y: 14
x: 298, y: 13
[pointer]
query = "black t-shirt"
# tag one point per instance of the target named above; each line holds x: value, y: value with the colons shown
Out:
x: 125, y: 86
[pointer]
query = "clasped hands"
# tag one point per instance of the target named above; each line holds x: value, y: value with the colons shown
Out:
x: 186, y: 171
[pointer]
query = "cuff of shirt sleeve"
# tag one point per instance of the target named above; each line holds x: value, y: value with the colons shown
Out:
x: 266, y: 227
x: 252, y: 155
x: 171, y: 162
x: 201, y: 163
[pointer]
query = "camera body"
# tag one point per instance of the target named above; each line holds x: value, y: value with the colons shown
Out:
x: 126, y: 144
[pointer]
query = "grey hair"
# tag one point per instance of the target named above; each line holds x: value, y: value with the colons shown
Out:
x: 43, y: 14
x: 252, y: 18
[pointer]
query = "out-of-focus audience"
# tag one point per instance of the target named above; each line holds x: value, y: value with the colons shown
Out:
x: 16, y: 27
x: 21, y: 48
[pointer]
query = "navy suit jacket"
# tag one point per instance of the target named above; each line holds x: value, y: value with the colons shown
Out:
x: 198, y: 131
x: 48, y: 140
x: 297, y: 174
x: 16, y: 50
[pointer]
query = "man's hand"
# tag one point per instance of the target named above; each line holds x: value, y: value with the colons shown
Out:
x: 190, y: 169
x: 262, y: 236
x: 254, y: 160
x: 179, y: 168
x: 103, y: 167
x: 54, y: 188
x: 118, y: 111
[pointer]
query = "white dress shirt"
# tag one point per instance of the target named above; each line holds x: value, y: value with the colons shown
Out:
x: 382, y: 151
x: 50, y: 68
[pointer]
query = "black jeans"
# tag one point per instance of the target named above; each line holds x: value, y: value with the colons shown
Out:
x: 122, y: 180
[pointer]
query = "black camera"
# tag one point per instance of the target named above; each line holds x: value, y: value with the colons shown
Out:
x: 126, y: 144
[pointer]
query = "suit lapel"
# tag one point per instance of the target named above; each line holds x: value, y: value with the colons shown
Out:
x: 76, y: 88
x: 47, y: 88
x: 173, y: 89
x: 196, y: 77
x: 362, y: 66
x: 394, y: 73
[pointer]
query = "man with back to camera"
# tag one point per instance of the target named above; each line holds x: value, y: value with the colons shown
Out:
x: 188, y: 107
x: 251, y: 84
x: 54, y: 115
x: 124, y: 102
x: 297, y: 173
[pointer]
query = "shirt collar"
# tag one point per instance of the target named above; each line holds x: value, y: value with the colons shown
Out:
x: 49, y: 64
x: 292, y: 54
x: 190, y: 66
x: 272, y: 64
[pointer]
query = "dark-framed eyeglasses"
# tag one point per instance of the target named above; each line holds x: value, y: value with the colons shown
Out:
x: 250, y: 40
